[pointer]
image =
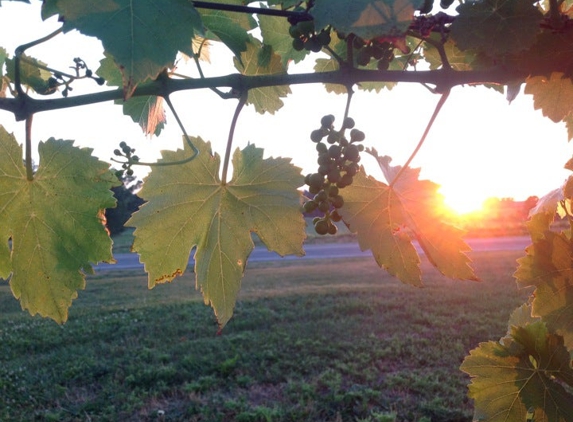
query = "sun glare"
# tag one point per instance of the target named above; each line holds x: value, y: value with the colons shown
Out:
x: 463, y: 203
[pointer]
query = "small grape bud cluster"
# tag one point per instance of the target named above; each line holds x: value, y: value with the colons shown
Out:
x: 127, y: 152
x: 383, y: 52
x: 81, y: 71
x: 337, y: 165
x: 305, y: 38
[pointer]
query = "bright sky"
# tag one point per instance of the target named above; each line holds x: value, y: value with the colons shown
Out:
x: 479, y: 147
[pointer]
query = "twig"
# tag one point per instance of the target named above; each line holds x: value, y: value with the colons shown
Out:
x: 439, y: 106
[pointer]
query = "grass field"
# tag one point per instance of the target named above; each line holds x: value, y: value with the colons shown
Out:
x: 310, y: 341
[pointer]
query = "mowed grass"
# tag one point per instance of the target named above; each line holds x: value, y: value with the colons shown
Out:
x: 310, y: 341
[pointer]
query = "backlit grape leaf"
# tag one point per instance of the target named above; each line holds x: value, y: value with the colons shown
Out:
x: 55, y: 223
x: 330, y: 65
x: 30, y: 74
x: 145, y: 110
x: 520, y: 317
x: 3, y: 84
x: 261, y: 60
x: 553, y: 95
x: 496, y: 27
x: 523, y: 379
x: 366, y: 18
x: 229, y: 27
x: 142, y: 36
x: 552, y: 52
x: 386, y: 218
x: 189, y: 207
x: 547, y: 267
x: 457, y: 59
x: 275, y: 33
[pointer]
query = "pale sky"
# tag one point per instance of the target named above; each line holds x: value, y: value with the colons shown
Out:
x: 479, y: 147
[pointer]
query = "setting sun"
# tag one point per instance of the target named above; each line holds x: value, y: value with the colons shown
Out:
x: 462, y: 202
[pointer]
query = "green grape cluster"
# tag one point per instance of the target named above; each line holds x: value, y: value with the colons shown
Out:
x: 338, y: 160
x: 127, y: 152
x: 305, y: 38
x: 381, y: 51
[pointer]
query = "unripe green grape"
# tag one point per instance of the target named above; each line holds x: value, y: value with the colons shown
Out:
x: 352, y: 169
x: 310, y: 206
x: 321, y: 148
x: 316, y: 135
x: 346, y: 179
x: 358, y: 43
x: 317, y: 180
x: 333, y: 137
x: 307, y: 179
x: 100, y: 81
x: 351, y: 152
x: 357, y: 135
x: 323, y: 206
x: 298, y: 44
x: 320, y: 196
x: 321, y: 227
x: 383, y: 64
x: 334, y: 151
x: 333, y: 190
x: 426, y: 7
x: 348, y: 123
x: 316, y: 220
x: 363, y: 57
x: 323, y: 169
x: 295, y: 32
x: 313, y: 45
x: 360, y: 147
x: 314, y: 189
x: 323, y: 37
x: 129, y: 172
x: 337, y: 201
x: 343, y: 141
x: 327, y: 121
x: 334, y: 216
x: 332, y: 229
x: 333, y: 176
x: 323, y: 159
x: 444, y: 4
x: 377, y: 52
x: 306, y: 27
x: 117, y: 152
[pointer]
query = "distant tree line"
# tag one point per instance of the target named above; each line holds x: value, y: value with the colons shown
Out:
x: 127, y: 203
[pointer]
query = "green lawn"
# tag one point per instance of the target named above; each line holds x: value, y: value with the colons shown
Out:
x: 310, y: 341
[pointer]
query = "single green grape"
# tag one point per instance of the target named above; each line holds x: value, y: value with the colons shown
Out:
x: 321, y: 227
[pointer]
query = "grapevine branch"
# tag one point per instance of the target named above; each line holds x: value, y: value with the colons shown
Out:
x: 439, y: 106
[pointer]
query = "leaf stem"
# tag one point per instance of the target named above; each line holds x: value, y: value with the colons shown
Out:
x: 350, y: 92
x: 439, y: 106
x: 238, y: 109
x: 29, y: 167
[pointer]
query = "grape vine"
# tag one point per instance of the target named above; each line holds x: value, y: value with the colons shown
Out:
x: 366, y: 44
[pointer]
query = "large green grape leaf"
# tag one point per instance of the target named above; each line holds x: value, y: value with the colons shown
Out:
x: 521, y: 381
x: 547, y: 266
x: 366, y: 18
x: 52, y: 227
x: 31, y: 74
x: 229, y: 27
x: 188, y: 206
x: 386, y: 218
x: 261, y: 60
x: 146, y: 110
x: 496, y: 27
x: 553, y: 95
x: 142, y: 36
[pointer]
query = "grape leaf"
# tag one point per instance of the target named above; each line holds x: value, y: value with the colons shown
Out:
x: 385, y: 217
x: 145, y: 110
x: 520, y: 317
x: 55, y: 223
x: 275, y: 32
x: 31, y: 74
x: 23, y: 1
x: 510, y: 383
x: 141, y: 44
x: 553, y: 95
x: 547, y: 267
x: 496, y: 27
x: 261, y: 60
x: 228, y: 27
x: 366, y: 18
x: 188, y: 206
x: 330, y: 65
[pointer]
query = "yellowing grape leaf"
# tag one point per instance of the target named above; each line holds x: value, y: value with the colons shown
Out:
x: 146, y: 110
x: 31, y: 74
x: 387, y: 217
x: 51, y: 228
x: 547, y: 266
x: 496, y: 27
x: 141, y: 43
x: 366, y: 18
x: 553, y: 95
x: 188, y: 206
x: 510, y: 383
x: 261, y: 60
